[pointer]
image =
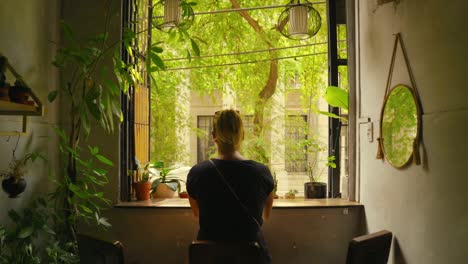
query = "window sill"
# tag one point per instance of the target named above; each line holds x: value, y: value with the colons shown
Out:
x: 278, y: 203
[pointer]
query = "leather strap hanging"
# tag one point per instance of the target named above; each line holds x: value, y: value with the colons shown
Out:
x: 399, y: 40
x: 235, y: 195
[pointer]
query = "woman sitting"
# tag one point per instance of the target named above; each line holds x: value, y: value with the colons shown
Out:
x: 230, y: 194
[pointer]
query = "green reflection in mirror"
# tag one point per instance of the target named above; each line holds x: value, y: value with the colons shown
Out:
x: 399, y: 125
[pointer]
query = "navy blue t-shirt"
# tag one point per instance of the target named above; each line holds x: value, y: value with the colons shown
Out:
x: 221, y: 217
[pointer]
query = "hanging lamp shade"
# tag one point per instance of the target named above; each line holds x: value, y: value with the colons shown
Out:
x: 172, y: 13
x: 175, y: 16
x: 300, y: 20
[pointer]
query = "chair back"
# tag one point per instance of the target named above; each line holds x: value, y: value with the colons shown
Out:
x: 97, y: 251
x: 211, y: 252
x: 370, y: 249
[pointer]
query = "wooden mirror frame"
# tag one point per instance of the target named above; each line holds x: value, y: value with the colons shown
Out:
x: 415, y: 153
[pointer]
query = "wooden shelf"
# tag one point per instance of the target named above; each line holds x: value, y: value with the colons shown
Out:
x: 11, y: 108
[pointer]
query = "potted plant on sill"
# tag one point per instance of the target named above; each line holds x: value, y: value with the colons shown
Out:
x: 314, y: 188
x: 291, y: 194
x: 166, y: 184
x: 14, y: 184
x: 142, y: 185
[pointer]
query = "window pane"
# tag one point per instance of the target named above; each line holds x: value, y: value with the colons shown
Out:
x: 205, y: 145
x: 296, y: 151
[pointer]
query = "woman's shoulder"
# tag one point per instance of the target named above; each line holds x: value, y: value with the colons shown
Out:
x: 202, y: 166
x: 258, y: 165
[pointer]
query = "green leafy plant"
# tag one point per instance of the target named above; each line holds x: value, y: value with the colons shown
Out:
x: 93, y: 99
x: 23, y: 241
x: 17, y: 167
x: 336, y: 97
x: 172, y: 182
x: 84, y: 193
x: 329, y: 162
x: 144, y: 173
x: 291, y: 194
x: 317, y: 166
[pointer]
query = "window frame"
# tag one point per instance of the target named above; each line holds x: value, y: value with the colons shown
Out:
x: 336, y: 10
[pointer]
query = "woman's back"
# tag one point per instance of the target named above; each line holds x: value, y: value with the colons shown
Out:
x: 221, y: 216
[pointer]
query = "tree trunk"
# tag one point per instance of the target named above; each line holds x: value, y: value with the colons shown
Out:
x: 267, y: 91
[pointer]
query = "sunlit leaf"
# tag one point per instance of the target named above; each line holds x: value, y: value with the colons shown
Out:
x: 337, y: 97
x: 25, y: 232
x: 195, y: 47
x: 332, y: 115
x: 104, y: 160
x: 52, y: 95
x: 157, y: 60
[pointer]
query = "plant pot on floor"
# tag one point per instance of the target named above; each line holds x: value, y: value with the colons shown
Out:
x: 142, y: 190
x: 315, y: 190
x: 13, y: 186
x: 163, y: 191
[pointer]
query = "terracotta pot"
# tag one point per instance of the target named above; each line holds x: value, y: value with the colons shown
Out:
x: 142, y: 190
x: 163, y: 191
x: 289, y: 196
x: 183, y: 195
x: 13, y: 186
x: 276, y: 196
x: 317, y: 190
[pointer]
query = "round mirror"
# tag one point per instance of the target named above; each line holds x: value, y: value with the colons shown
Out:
x: 399, y: 125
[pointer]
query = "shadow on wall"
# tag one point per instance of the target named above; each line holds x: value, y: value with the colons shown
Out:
x: 363, y: 228
x: 398, y: 256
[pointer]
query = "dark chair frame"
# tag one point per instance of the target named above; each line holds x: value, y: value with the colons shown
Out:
x: 96, y: 251
x: 370, y: 249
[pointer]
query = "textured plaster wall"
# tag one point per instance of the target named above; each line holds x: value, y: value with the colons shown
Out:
x: 162, y: 235
x: 27, y: 29
x: 424, y: 206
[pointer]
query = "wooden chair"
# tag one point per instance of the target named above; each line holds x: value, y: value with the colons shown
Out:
x: 370, y: 249
x: 97, y: 251
x: 210, y: 252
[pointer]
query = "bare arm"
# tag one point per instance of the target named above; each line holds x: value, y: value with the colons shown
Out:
x: 268, y: 206
x: 194, y: 206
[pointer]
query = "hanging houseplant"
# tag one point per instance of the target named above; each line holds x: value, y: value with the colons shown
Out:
x: 14, y: 183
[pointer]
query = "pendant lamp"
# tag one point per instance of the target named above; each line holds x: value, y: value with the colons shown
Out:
x: 176, y: 16
x: 300, y: 20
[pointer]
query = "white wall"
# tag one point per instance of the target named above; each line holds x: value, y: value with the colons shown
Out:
x: 424, y: 206
x: 27, y: 28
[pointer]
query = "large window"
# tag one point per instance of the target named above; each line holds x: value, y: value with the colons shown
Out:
x: 225, y: 61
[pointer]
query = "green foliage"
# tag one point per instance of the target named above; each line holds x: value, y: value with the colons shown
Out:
x: 292, y: 192
x: 83, y: 193
x: 18, y: 166
x: 24, y: 243
x: 318, y: 165
x: 172, y: 182
x: 336, y: 97
x: 222, y: 34
x: 92, y: 97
